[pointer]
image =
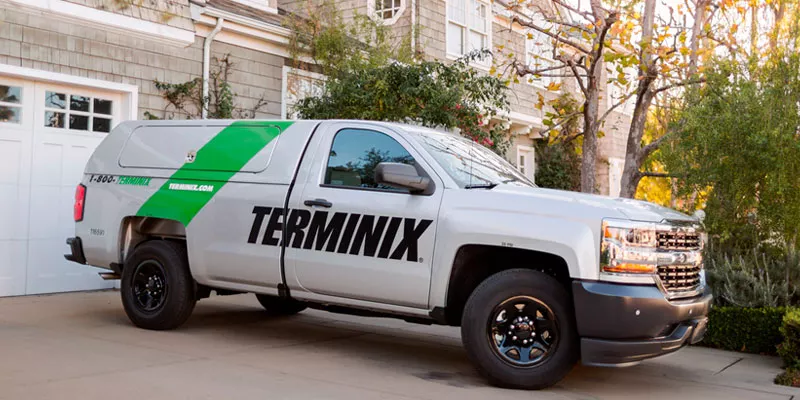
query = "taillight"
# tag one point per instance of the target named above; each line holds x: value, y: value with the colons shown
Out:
x: 80, y: 200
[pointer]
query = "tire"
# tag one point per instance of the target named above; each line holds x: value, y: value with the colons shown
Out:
x: 158, y: 270
x: 280, y: 306
x: 496, y: 298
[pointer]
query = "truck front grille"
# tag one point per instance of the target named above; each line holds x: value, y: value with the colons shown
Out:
x: 679, y: 280
x: 672, y: 240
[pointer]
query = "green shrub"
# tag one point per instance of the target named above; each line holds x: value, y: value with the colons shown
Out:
x: 759, y: 277
x: 789, y: 349
x: 790, y: 377
x: 750, y: 330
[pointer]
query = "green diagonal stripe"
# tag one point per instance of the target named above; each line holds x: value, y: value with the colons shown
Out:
x: 191, y: 187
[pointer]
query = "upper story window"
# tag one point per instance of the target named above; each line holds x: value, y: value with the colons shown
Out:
x: 356, y: 152
x: 539, y: 56
x: 388, y: 11
x: 468, y: 26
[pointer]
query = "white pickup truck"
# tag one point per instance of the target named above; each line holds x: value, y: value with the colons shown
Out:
x: 381, y: 219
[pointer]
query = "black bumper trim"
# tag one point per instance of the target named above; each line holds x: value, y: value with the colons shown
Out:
x: 76, y: 251
x: 622, y: 324
x: 599, y: 352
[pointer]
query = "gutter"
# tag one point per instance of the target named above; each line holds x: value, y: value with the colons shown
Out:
x: 206, y: 64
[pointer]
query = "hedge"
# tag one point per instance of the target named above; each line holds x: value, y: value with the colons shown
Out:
x: 750, y: 330
x: 789, y: 349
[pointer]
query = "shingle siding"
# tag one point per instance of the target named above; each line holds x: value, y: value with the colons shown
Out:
x: 36, y: 40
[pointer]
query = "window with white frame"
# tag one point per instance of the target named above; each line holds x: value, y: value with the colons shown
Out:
x: 539, y: 56
x: 388, y: 11
x: 468, y: 26
x: 10, y: 104
x: 297, y: 85
x: 526, y: 161
x: 77, y: 112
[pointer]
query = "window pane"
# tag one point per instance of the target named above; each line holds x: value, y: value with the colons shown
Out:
x: 101, y: 124
x: 477, y: 16
x: 455, y: 39
x: 456, y: 11
x: 387, y: 4
x: 79, y: 103
x: 55, y: 100
x: 10, y: 94
x: 102, y: 106
x: 79, y: 122
x: 54, y: 119
x: 477, y: 41
x: 355, y: 154
x: 10, y: 114
x: 388, y: 14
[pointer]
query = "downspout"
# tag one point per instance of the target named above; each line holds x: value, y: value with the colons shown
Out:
x: 206, y: 64
x: 414, y: 28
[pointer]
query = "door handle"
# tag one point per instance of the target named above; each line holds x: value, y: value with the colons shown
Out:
x: 318, y: 202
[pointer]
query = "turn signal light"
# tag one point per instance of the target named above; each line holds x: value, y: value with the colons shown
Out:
x: 80, y: 202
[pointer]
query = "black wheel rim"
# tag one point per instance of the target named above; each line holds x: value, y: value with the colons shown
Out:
x: 149, y: 286
x: 522, y: 331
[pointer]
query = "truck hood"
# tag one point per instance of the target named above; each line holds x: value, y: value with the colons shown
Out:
x: 636, y: 210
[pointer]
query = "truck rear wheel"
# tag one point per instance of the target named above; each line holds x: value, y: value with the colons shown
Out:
x: 518, y: 329
x: 157, y: 288
x: 280, y: 306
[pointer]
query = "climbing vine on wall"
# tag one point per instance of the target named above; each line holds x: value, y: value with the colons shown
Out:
x: 186, y: 99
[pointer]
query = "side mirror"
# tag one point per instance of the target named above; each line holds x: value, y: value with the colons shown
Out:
x: 402, y: 176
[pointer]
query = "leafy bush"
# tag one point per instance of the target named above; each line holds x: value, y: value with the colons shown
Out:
x: 789, y: 349
x: 558, y: 166
x: 750, y: 330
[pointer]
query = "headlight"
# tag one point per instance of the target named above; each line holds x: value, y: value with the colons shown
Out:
x: 628, y: 247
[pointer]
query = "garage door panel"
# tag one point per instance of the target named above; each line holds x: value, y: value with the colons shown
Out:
x: 14, y: 254
x: 48, y: 272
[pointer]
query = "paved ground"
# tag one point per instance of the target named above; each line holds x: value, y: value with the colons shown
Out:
x: 81, y: 346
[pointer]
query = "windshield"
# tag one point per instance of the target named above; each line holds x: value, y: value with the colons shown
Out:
x: 468, y: 163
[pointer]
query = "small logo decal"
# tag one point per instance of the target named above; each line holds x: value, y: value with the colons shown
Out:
x: 191, y: 156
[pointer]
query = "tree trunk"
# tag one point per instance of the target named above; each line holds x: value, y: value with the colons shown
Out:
x: 697, y: 26
x: 633, y: 152
x: 589, y: 159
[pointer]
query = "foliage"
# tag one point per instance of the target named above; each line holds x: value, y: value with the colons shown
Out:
x: 371, y: 75
x: 558, y: 158
x: 739, y: 138
x: 789, y: 349
x: 186, y: 98
x: 337, y: 45
x: 750, y: 330
x: 759, y: 277
x: 790, y: 377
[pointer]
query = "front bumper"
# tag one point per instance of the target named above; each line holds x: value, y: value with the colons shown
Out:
x: 622, y: 324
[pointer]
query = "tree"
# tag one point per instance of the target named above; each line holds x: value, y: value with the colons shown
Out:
x: 739, y: 138
x: 371, y: 75
x: 618, y: 36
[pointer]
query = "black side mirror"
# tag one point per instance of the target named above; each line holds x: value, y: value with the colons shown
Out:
x: 402, y: 176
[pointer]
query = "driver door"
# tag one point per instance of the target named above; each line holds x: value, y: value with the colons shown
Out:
x: 350, y: 237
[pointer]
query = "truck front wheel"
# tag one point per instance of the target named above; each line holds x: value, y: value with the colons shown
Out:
x: 157, y: 288
x: 518, y: 329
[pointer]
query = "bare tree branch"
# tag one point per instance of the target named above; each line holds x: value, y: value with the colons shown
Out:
x: 679, y: 84
x: 622, y: 101
x: 652, y: 146
x: 523, y: 70
x: 564, y: 120
x: 557, y: 37
x: 569, y: 24
x: 583, y: 14
x: 655, y: 174
x: 578, y: 78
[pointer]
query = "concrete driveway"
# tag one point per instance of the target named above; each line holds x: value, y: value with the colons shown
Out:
x: 81, y: 346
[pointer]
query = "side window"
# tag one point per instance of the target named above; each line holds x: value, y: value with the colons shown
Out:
x: 356, y: 152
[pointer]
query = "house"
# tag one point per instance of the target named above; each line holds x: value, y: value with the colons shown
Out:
x: 70, y: 70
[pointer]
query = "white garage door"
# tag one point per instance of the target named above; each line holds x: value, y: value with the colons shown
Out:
x: 47, y: 133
